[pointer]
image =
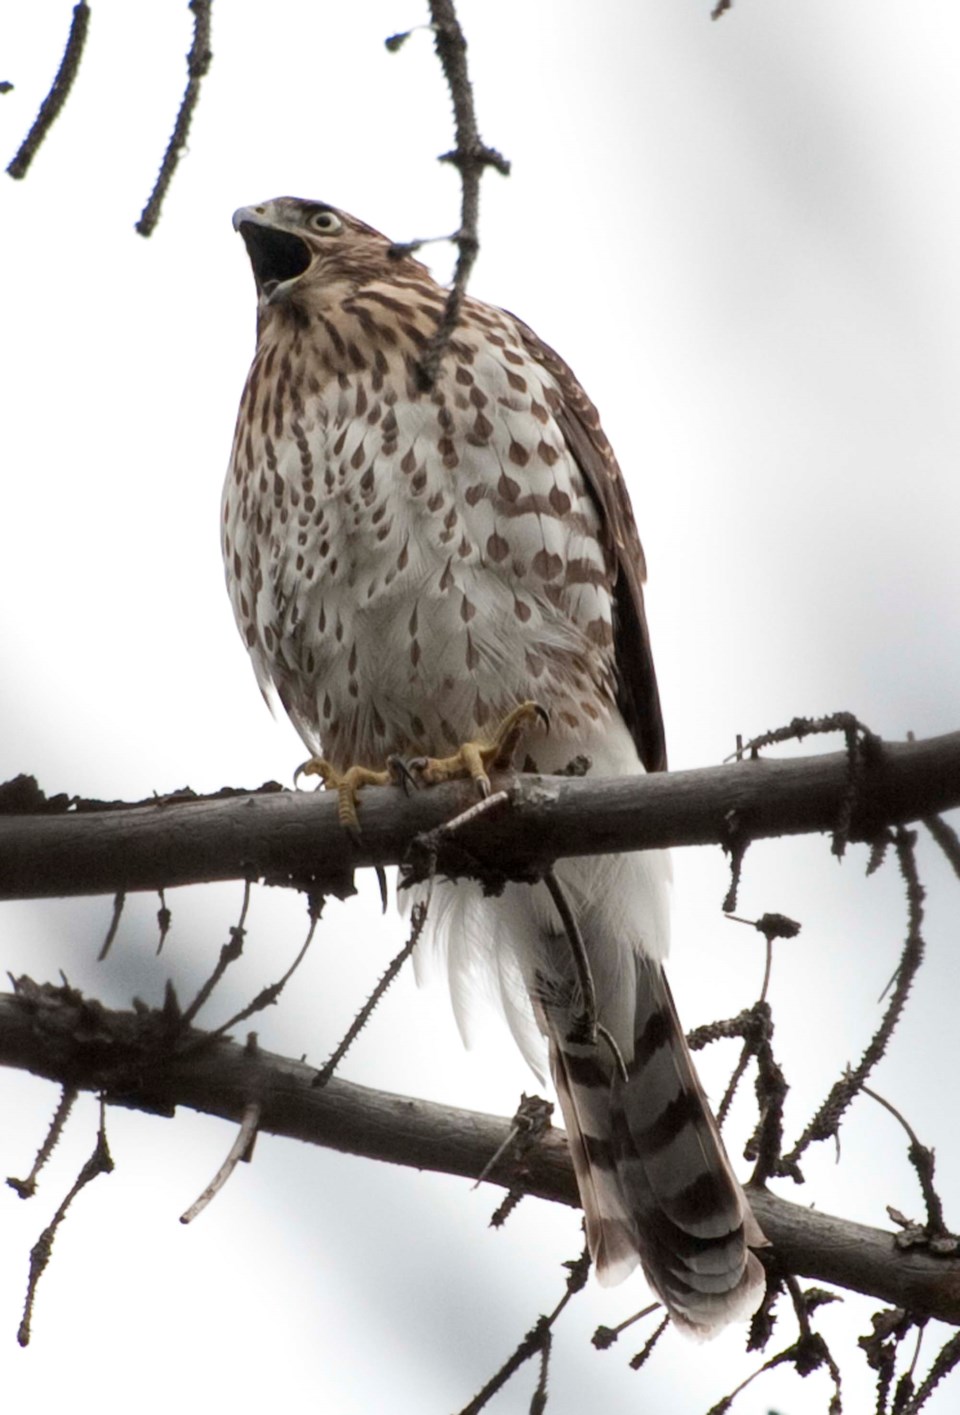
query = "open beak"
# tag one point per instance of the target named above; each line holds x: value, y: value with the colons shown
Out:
x: 278, y: 257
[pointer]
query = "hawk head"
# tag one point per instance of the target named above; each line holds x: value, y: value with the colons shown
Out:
x: 298, y: 248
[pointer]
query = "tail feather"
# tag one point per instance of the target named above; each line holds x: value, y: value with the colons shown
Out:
x: 654, y: 1179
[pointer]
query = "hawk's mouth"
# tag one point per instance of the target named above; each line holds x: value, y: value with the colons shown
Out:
x: 276, y: 256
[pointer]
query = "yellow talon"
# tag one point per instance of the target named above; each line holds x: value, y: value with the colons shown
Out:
x: 346, y: 784
x: 478, y: 758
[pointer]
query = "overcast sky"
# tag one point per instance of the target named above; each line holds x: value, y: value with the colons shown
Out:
x: 742, y: 235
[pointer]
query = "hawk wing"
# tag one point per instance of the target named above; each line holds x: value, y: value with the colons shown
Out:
x: 637, y: 695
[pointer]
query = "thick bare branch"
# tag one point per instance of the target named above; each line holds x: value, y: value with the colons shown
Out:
x: 295, y: 837
x: 54, y: 1033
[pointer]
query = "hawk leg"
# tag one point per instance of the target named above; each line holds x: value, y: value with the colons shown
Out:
x: 477, y: 759
x: 346, y: 784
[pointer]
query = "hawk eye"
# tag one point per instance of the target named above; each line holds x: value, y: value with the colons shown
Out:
x: 327, y: 222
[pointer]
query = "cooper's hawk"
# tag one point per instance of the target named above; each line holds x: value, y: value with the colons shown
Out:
x: 408, y: 566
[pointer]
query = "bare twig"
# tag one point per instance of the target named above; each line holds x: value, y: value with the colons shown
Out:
x: 530, y: 1124
x: 863, y: 751
x: 57, y: 96
x: 26, y: 1188
x: 536, y: 1342
x: 946, y: 837
x: 827, y: 1119
x: 532, y: 1117
x: 922, y: 1160
x: 164, y: 920
x: 98, y: 1163
x: 241, y: 1149
x: 755, y: 1025
x: 646, y: 1351
x: 470, y: 157
x: 735, y: 843
x: 198, y: 63
x: 606, y: 1336
x: 947, y: 1358
x: 418, y: 917
x: 229, y: 953
x: 119, y: 900
x: 267, y: 996
x: 807, y: 1354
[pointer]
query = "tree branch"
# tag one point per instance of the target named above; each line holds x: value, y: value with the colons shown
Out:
x: 133, y: 1059
x: 295, y: 837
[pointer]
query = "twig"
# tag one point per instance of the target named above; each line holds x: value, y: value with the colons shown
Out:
x: 827, y: 1120
x: 606, y: 1336
x: 418, y: 917
x: 198, y: 63
x: 26, y: 1188
x: 646, y: 1351
x: 530, y: 1124
x: 946, y: 1359
x: 735, y: 844
x: 164, y: 920
x: 119, y: 900
x: 530, y: 1121
x: 267, y: 996
x: 99, y: 1162
x: 863, y: 749
x: 229, y: 953
x: 808, y: 1353
x: 470, y: 157
x: 890, y: 1327
x: 923, y: 1162
x: 241, y: 1149
x: 537, y: 1340
x: 946, y: 837
x: 771, y: 926
x: 57, y: 96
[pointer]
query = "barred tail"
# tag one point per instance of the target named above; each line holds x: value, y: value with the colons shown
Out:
x: 654, y: 1179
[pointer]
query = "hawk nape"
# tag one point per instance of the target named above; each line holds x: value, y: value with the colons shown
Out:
x: 408, y: 567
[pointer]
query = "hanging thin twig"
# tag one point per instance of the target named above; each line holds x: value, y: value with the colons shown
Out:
x: 827, y: 1119
x: 26, y: 1188
x: 99, y: 1162
x: 57, y: 96
x: 922, y: 1160
x: 198, y: 63
x: 536, y: 1342
x: 229, y: 953
x: 946, y: 838
x: 119, y: 899
x: 418, y: 917
x: 269, y: 995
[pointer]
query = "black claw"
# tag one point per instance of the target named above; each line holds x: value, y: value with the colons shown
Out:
x: 404, y: 772
x: 543, y: 715
x: 382, y: 882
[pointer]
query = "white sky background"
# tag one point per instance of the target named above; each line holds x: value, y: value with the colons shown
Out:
x: 743, y: 236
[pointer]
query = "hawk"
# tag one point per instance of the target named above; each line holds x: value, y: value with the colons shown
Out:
x: 408, y: 566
